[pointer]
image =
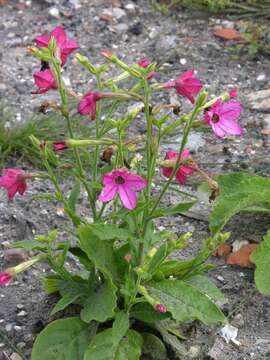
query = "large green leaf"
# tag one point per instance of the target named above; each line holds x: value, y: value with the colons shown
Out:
x: 206, y: 286
x: 108, y: 231
x: 100, y: 304
x: 120, y: 327
x: 64, y: 339
x: 154, y: 347
x: 102, y: 347
x: 261, y: 258
x: 185, y: 302
x: 100, y: 252
x: 239, y: 192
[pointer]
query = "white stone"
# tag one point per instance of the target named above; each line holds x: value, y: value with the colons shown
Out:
x: 54, y: 12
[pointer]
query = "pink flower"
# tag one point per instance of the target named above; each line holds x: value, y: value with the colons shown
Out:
x: 161, y: 308
x: 5, y: 278
x: 184, y: 170
x: 45, y: 81
x: 59, y: 145
x: 186, y: 85
x: 87, y: 105
x: 144, y: 63
x: 123, y: 183
x: 223, y: 116
x: 233, y: 93
x: 14, y: 180
x: 65, y: 45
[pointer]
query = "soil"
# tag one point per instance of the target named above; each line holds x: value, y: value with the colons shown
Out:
x: 178, y: 41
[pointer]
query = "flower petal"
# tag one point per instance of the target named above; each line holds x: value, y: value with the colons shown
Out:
x: 231, y: 127
x: 59, y: 34
x: 128, y: 197
x: 219, y: 132
x: 135, y: 182
x: 12, y: 190
x: 42, y: 41
x: 69, y: 46
x: 231, y: 110
x: 108, y: 193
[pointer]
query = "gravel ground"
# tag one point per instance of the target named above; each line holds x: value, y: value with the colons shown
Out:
x: 178, y: 41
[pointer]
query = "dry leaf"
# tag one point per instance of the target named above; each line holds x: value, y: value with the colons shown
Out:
x: 242, y: 256
x: 265, y: 132
x: 228, y: 34
x: 223, y: 250
x: 106, y: 17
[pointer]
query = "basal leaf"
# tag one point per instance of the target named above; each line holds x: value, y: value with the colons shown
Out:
x: 239, y: 192
x: 100, y: 303
x: 101, y: 347
x: 185, y: 302
x: 64, y: 339
x: 120, y: 327
x: 206, y: 286
x: 154, y: 347
x: 261, y: 258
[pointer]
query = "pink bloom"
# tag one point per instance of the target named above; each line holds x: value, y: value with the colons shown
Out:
x: 59, y: 145
x: 161, y: 308
x: 184, y: 170
x: 87, y: 105
x: 123, y: 183
x: 223, y: 116
x: 45, y: 81
x: 14, y: 180
x: 5, y: 278
x: 186, y: 85
x: 144, y: 63
x: 65, y: 45
x: 233, y: 93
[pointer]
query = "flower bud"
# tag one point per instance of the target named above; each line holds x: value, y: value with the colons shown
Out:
x: 5, y: 278
x: 160, y: 308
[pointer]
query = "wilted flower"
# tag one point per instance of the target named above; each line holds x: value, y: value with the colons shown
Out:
x: 45, y: 81
x: 161, y: 308
x: 123, y: 183
x: 184, y: 170
x: 14, y: 180
x: 87, y: 105
x: 64, y: 44
x: 5, y: 278
x: 59, y: 145
x: 186, y: 85
x: 223, y: 116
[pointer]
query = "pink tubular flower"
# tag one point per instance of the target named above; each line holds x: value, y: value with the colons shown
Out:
x: 5, y: 278
x: 186, y: 85
x: 124, y: 183
x: 14, y: 180
x: 59, y: 145
x: 223, y: 116
x: 65, y: 45
x: 45, y: 81
x: 87, y: 105
x: 233, y: 93
x: 184, y: 170
x: 161, y: 308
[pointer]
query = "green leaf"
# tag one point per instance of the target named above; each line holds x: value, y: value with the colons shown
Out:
x: 101, y: 347
x: 206, y: 287
x: 100, y: 252
x: 261, y: 258
x: 66, y: 300
x: 154, y: 347
x: 73, y: 197
x: 146, y: 313
x: 239, y: 192
x: 157, y: 259
x: 52, y: 284
x: 100, y: 303
x: 64, y: 339
x: 120, y: 327
x: 178, y: 209
x: 29, y: 245
x: 82, y: 256
x: 108, y: 231
x: 185, y: 302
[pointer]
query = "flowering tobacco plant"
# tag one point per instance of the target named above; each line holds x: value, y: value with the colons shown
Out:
x: 127, y: 275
